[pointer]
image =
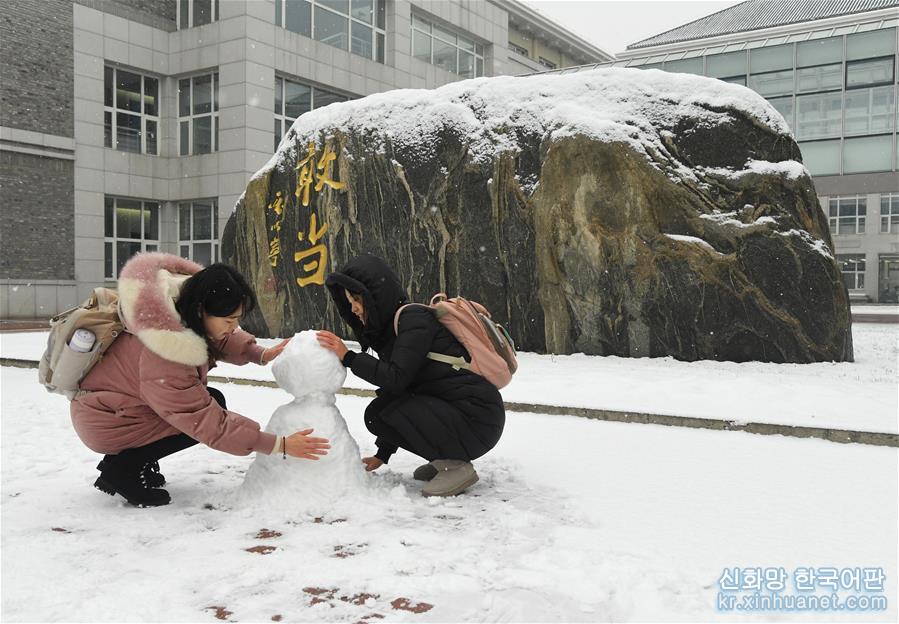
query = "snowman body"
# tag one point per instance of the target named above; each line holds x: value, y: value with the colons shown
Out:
x: 312, y: 374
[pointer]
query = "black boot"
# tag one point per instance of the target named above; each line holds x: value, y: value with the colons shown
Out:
x: 130, y: 485
x: 151, y: 475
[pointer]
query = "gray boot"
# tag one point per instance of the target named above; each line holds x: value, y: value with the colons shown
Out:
x: 425, y: 472
x: 453, y: 477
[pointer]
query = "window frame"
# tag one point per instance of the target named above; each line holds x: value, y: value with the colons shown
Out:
x: 868, y: 85
x: 856, y: 264
x: 214, y: 229
x: 110, y: 243
x: 834, y: 218
x: 887, y: 218
x: 191, y: 118
x: 477, y: 50
x: 377, y: 25
x: 213, y: 17
x: 110, y: 141
x: 284, y: 122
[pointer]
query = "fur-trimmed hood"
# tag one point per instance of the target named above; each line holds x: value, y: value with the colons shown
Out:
x: 149, y: 285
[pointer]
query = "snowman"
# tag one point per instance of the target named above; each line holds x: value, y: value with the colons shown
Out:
x: 313, y: 375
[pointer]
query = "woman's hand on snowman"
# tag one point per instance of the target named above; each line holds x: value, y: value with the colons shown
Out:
x: 300, y: 445
x: 332, y: 343
x: 372, y: 463
x: 272, y: 352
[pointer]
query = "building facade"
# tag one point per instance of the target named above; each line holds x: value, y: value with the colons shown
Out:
x: 135, y: 125
x: 829, y: 67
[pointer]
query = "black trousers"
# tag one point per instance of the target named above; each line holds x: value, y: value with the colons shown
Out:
x: 430, y: 427
x: 131, y: 460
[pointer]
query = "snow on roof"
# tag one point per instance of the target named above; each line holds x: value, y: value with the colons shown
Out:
x: 758, y: 14
x: 611, y: 104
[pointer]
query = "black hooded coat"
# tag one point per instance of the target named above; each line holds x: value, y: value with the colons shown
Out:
x: 423, y: 406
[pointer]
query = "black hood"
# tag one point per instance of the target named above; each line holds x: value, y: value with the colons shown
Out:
x: 382, y: 295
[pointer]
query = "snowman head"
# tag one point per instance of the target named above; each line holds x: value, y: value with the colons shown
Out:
x: 305, y: 367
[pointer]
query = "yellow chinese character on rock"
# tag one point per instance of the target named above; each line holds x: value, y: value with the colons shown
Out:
x: 304, y: 178
x: 323, y: 175
x: 274, y: 250
x: 278, y: 204
x: 317, y: 255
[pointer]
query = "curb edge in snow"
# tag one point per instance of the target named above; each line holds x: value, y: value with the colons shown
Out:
x: 842, y: 436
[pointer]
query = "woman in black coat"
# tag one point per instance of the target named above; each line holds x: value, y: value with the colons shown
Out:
x: 449, y: 417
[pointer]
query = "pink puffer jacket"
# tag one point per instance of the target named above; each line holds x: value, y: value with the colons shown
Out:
x: 151, y: 383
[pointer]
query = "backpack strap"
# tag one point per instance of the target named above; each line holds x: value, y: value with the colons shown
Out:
x: 455, y: 362
x: 396, y: 317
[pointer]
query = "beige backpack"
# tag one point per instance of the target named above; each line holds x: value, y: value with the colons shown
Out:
x: 61, y: 367
x: 488, y: 343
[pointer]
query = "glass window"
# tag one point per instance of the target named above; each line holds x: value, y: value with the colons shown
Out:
x: 821, y: 157
x: 152, y: 143
x: 362, y: 10
x: 198, y: 114
x: 889, y: 213
x: 772, y: 83
x: 865, y: 73
x: 151, y: 96
x: 202, y: 12
x: 888, y: 281
x: 198, y: 231
x: 871, y: 44
x: 108, y: 217
x: 202, y: 95
x: 341, y: 6
x: 821, y: 78
x: 867, y: 154
x: 130, y: 115
x: 852, y: 267
x: 784, y: 106
x: 846, y: 215
x: 361, y: 43
x: 323, y: 98
x: 449, y: 50
x: 466, y: 64
x: 730, y: 64
x: 444, y: 34
x: 684, y: 66
x: 202, y: 131
x: 108, y: 83
x: 818, y: 116
x: 421, y: 45
x: 330, y: 28
x: 197, y: 12
x: 445, y: 55
x: 819, y: 52
x: 298, y: 17
x: 297, y: 99
x: 128, y: 91
x: 869, y: 111
x: 184, y: 98
x: 771, y: 59
x: 130, y: 226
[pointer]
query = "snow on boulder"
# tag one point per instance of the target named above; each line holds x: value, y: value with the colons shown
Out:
x: 613, y: 212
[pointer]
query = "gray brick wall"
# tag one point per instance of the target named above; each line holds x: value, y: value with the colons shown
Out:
x: 37, y: 217
x: 36, y: 66
x: 156, y: 13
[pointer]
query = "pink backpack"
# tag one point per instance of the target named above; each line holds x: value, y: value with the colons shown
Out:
x: 489, y: 344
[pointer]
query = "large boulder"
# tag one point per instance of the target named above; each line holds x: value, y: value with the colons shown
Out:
x: 611, y: 212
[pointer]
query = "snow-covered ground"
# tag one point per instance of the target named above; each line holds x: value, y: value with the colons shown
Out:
x: 860, y: 395
x: 573, y: 520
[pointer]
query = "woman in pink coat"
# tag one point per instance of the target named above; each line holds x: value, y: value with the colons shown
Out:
x: 147, y: 398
